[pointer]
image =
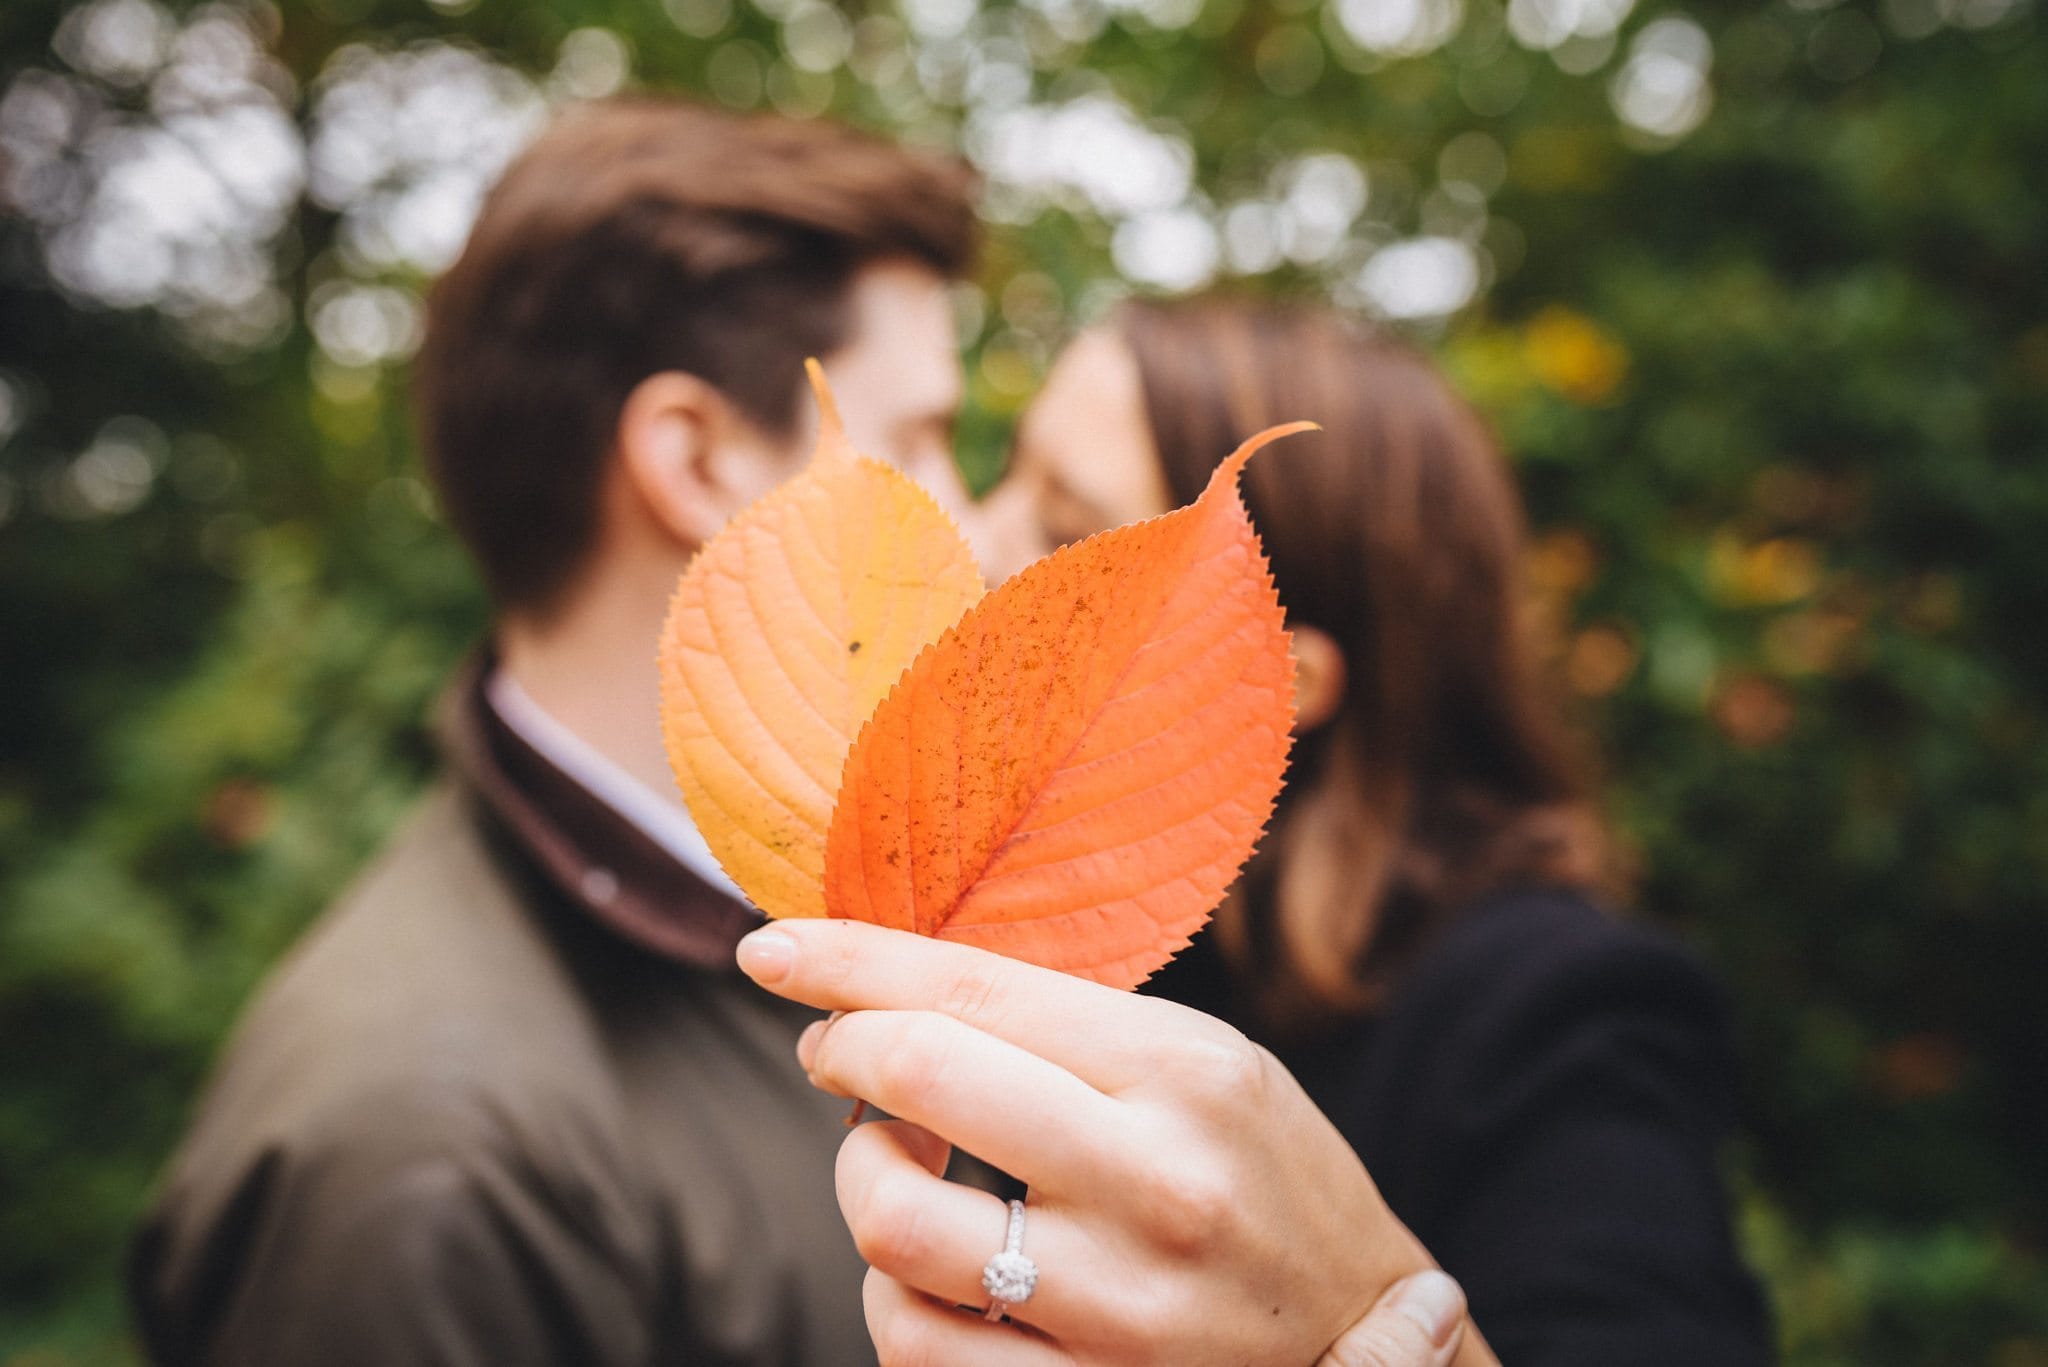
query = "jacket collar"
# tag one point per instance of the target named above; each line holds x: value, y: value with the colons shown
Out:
x: 600, y: 861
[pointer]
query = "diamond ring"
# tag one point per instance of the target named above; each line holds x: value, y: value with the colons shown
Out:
x: 1010, y: 1277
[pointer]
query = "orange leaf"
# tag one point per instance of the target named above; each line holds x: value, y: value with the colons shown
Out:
x: 783, y: 634
x: 1075, y: 773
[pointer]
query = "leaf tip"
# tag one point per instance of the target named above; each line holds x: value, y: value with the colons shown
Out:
x: 1232, y: 464
x: 832, y: 429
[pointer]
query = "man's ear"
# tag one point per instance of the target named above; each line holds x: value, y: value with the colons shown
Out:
x: 1320, y: 675
x: 689, y: 456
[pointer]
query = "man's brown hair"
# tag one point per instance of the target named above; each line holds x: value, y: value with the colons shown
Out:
x: 639, y: 236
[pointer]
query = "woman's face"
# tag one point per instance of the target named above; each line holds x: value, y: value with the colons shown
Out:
x: 1083, y: 461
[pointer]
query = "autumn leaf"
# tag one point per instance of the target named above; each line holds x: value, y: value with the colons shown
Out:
x: 1074, y: 774
x: 785, y: 631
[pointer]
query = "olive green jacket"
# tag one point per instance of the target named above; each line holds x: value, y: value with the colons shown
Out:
x: 508, y: 1103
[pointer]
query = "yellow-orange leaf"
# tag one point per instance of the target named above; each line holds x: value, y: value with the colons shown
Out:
x: 785, y: 631
x: 1074, y: 774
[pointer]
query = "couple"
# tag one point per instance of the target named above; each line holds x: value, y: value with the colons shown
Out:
x: 520, y: 1096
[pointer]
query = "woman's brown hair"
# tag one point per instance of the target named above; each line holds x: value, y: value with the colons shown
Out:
x: 1445, y: 772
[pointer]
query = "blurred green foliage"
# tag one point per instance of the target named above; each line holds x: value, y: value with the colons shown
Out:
x: 1753, y: 290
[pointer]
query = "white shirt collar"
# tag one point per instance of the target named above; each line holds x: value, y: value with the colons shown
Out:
x: 662, y: 819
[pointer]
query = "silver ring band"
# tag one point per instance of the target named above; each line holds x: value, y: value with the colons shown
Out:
x: 1009, y: 1277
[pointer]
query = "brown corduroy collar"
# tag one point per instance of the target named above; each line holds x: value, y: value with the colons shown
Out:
x: 599, y: 860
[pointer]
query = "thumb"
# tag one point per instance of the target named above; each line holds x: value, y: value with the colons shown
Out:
x: 1417, y: 1323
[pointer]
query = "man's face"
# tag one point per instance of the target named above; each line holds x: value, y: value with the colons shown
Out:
x: 898, y: 386
x: 897, y: 379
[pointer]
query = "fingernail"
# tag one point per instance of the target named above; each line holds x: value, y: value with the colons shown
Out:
x: 807, y: 1043
x: 814, y: 1033
x: 767, y: 956
x: 1434, y: 1302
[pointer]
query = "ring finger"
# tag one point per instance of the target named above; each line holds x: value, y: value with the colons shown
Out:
x: 936, y: 1236
x: 908, y: 1326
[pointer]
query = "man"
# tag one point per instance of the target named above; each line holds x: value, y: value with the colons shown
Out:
x: 509, y: 1101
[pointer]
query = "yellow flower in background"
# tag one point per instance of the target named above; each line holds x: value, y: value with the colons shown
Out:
x: 1769, y: 573
x: 1569, y: 353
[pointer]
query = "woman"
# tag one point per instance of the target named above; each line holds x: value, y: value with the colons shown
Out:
x: 1471, y: 1063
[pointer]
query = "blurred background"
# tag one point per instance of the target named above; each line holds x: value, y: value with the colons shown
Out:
x: 1754, y: 290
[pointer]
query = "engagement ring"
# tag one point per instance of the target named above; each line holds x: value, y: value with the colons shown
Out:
x: 1010, y: 1277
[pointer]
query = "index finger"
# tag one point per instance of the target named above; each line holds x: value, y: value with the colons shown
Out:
x: 1092, y: 1031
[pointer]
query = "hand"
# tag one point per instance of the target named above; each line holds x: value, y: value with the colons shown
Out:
x: 1189, y: 1204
